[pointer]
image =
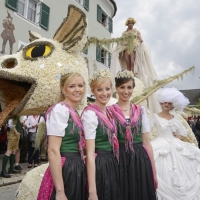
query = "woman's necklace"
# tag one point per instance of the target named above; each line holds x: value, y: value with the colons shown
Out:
x: 124, y: 109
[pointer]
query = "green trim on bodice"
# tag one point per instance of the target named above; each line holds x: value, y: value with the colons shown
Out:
x: 102, y: 141
x: 70, y: 140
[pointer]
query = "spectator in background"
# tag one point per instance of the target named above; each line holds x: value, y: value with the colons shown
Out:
x: 13, y: 141
x: 195, y: 121
x: 192, y: 125
x: 197, y: 129
x: 2, y: 137
x: 20, y: 126
x: 31, y: 125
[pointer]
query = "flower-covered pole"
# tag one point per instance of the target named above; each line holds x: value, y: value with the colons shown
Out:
x: 157, y: 85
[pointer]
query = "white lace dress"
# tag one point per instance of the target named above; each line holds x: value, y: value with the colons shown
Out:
x: 177, y: 162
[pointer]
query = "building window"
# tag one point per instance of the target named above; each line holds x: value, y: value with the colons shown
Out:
x: 103, y: 56
x: 104, y: 19
x: 84, y: 3
x: 33, y: 10
x: 27, y: 8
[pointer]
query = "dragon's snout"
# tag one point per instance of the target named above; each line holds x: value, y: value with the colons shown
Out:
x: 9, y: 63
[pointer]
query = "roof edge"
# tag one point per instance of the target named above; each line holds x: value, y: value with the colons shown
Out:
x: 115, y: 7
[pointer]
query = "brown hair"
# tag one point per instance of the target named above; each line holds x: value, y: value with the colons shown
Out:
x: 98, y: 82
x: 121, y: 81
x: 65, y: 80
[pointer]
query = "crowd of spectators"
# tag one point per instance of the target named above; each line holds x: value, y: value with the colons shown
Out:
x: 194, y: 123
x: 17, y: 143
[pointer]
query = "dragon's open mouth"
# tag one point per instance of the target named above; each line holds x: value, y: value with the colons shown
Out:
x: 15, y: 91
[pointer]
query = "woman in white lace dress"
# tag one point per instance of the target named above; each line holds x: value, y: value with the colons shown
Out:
x: 177, y: 162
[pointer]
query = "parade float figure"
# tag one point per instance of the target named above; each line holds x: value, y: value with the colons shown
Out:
x: 29, y: 79
x: 177, y: 162
x: 130, y: 56
x: 136, y: 58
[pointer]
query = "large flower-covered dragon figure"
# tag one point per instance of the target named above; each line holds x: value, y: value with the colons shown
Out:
x: 29, y: 79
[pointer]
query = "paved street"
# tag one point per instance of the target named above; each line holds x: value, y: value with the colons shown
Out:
x: 8, y: 192
x: 8, y: 186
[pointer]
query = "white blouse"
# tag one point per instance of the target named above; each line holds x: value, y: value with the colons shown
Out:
x: 90, y: 122
x: 57, y: 120
x: 31, y: 121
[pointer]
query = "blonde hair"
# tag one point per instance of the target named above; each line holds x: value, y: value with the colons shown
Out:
x: 98, y: 82
x: 130, y: 20
x: 65, y: 80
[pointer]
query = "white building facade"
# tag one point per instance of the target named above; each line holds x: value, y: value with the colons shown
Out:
x: 45, y: 16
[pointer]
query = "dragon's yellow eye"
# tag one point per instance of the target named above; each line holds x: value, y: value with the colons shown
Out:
x: 39, y: 49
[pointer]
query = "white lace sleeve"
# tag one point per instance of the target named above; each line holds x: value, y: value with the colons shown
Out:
x: 181, y: 130
x: 145, y: 121
x: 152, y: 120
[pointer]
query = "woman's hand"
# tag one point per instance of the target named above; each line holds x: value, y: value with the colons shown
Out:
x: 92, y: 196
x: 61, y: 196
x: 177, y: 136
x: 34, y: 126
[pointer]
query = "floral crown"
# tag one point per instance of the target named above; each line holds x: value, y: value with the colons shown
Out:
x: 125, y: 74
x: 100, y: 74
x: 66, y: 71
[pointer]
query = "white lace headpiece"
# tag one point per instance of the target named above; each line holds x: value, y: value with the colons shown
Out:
x: 173, y: 96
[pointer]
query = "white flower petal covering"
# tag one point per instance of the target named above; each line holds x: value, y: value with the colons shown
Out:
x: 29, y: 187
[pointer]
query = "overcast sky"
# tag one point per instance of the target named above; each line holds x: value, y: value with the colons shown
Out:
x: 171, y: 29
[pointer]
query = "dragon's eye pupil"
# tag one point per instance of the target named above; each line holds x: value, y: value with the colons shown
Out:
x: 38, y: 51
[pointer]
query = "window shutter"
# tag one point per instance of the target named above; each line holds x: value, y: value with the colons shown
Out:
x: 109, y: 59
x: 99, y: 14
x: 98, y: 53
x: 44, y: 16
x: 110, y: 25
x: 85, y: 51
x: 86, y: 4
x: 12, y: 4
